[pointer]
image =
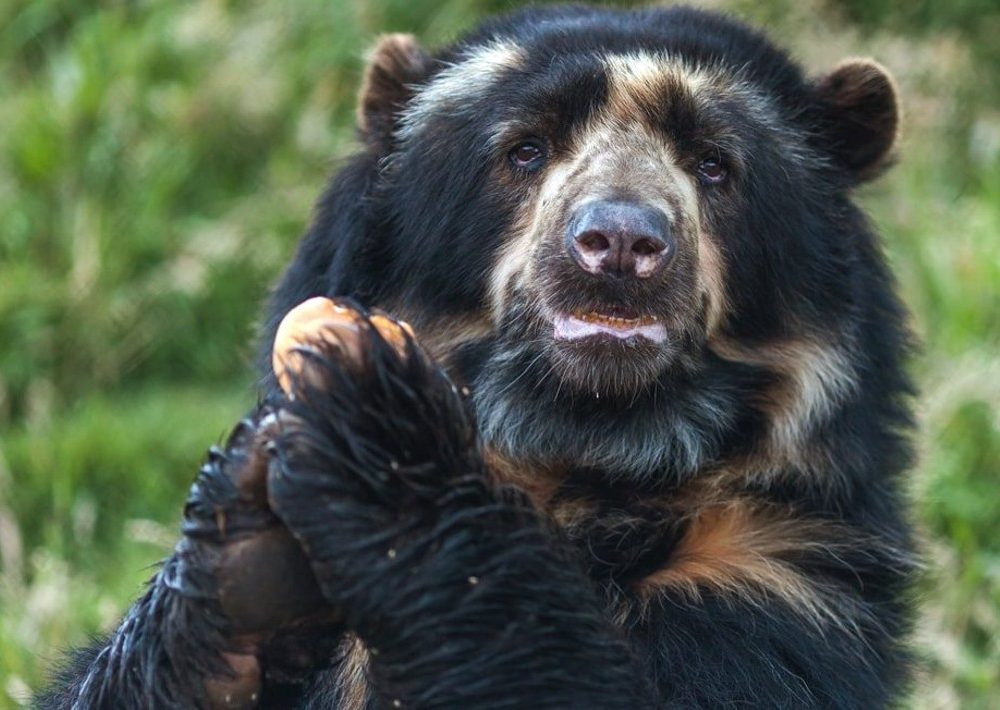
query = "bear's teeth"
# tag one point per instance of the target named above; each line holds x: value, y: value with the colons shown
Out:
x: 587, y: 324
x: 614, y: 321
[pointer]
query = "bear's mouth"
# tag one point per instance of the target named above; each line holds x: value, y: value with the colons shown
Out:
x: 615, y: 322
x: 612, y: 337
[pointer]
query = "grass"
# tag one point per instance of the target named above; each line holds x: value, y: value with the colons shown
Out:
x: 157, y: 163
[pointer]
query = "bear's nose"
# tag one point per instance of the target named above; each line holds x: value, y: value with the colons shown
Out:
x: 620, y: 238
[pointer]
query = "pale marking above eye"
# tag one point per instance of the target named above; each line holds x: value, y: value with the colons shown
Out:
x: 457, y: 86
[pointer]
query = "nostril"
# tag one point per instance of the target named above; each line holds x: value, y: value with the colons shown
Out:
x: 593, y: 242
x: 614, y: 238
x: 647, y: 247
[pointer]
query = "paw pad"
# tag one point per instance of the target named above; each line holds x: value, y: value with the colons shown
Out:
x: 319, y: 323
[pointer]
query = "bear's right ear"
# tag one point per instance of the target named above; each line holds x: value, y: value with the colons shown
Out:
x: 861, y: 107
x: 395, y: 65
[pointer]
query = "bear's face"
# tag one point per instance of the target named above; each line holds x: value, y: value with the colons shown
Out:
x: 603, y: 174
x: 609, y: 264
x: 608, y: 203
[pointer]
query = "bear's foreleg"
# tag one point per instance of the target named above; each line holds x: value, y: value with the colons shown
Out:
x: 232, y: 617
x: 455, y: 588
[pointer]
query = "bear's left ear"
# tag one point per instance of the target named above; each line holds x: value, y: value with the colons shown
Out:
x: 861, y: 108
x: 395, y: 65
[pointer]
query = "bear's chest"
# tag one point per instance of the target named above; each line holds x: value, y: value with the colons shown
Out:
x: 620, y: 541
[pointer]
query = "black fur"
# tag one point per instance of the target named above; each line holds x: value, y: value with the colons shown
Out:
x: 465, y: 590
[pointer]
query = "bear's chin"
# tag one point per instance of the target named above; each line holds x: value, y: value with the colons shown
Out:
x: 607, y: 365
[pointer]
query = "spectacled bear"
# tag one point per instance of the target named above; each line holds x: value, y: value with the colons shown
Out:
x: 642, y: 441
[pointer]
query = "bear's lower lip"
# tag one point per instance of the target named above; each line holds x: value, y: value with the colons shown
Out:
x: 579, y: 325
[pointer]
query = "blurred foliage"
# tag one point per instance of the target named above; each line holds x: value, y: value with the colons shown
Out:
x: 976, y: 21
x: 158, y: 161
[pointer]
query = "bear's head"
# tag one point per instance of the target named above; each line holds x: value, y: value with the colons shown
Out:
x: 620, y: 228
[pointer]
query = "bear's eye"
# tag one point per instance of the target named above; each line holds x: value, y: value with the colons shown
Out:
x: 527, y: 155
x: 711, y: 171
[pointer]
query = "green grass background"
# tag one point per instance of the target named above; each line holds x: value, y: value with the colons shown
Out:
x: 158, y: 160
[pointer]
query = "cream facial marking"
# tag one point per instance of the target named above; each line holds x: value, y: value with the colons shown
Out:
x: 641, y: 78
x: 711, y: 277
x: 456, y: 85
x: 515, y: 261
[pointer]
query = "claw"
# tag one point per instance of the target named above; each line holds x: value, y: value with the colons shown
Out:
x: 393, y: 332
